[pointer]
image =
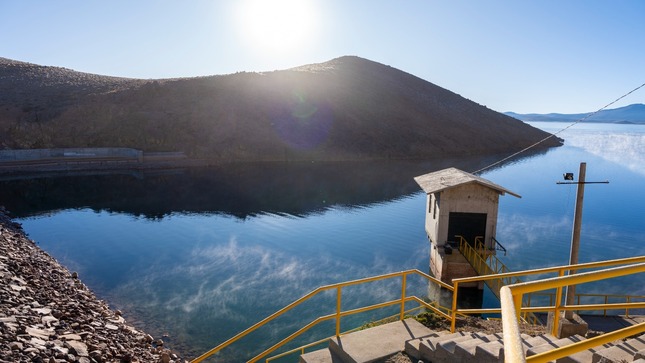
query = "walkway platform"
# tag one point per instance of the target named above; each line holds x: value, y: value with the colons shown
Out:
x: 375, y: 345
x: 604, y: 323
x: 611, y: 322
x: 370, y: 345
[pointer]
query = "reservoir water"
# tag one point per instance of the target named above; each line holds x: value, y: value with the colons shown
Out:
x: 197, y: 255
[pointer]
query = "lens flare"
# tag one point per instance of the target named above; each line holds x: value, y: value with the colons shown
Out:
x: 303, y: 124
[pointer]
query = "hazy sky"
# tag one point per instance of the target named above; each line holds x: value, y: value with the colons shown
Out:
x: 524, y: 56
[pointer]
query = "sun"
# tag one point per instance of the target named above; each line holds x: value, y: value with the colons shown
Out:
x: 276, y: 25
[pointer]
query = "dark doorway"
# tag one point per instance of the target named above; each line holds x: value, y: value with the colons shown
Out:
x: 467, y: 225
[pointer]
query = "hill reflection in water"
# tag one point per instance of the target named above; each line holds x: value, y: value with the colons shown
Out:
x: 240, y: 190
x: 204, y: 253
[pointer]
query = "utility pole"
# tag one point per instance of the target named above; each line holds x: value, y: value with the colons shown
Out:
x: 575, y: 236
x: 577, y: 227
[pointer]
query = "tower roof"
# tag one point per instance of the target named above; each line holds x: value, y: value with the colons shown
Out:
x: 452, y: 177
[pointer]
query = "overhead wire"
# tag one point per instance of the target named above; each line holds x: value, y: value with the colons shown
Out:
x: 558, y: 132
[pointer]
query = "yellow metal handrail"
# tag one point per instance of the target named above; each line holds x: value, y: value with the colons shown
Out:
x: 579, y: 297
x: 332, y: 316
x: 302, y: 349
x: 338, y: 314
x: 558, y: 297
x: 485, y: 262
x: 511, y: 299
x: 449, y: 314
x: 545, y: 270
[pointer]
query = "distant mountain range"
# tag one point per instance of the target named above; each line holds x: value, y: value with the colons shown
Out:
x: 348, y: 108
x: 632, y: 114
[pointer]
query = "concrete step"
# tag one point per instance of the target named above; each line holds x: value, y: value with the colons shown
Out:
x: 584, y: 356
x: 319, y: 356
x: 640, y: 354
x: 377, y: 343
x: 435, y: 349
x: 622, y: 352
x: 553, y: 344
x: 430, y: 343
x: 493, y: 352
x: 412, y: 346
x: 465, y: 351
x: 421, y: 343
x: 538, y: 340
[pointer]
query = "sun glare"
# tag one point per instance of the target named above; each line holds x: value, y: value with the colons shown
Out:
x: 276, y: 25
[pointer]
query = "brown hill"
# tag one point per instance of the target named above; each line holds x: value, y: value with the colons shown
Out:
x: 345, y: 109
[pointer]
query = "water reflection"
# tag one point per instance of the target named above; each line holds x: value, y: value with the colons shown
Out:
x: 623, y: 144
x: 241, y: 190
x: 217, y: 290
x: 204, y: 253
x: 625, y: 149
x: 537, y: 229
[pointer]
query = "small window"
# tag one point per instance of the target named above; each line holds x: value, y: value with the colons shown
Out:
x: 436, y: 205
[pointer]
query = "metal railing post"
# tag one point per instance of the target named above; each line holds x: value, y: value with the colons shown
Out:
x: 338, y: 300
x: 517, y: 301
x: 453, y: 312
x: 604, y: 312
x: 403, y: 283
x: 558, y: 305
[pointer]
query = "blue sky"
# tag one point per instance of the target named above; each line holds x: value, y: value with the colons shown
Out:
x: 524, y: 56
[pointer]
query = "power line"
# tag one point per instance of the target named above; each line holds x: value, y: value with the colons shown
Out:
x: 560, y: 131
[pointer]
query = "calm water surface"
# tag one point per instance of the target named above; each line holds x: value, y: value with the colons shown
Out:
x: 202, y: 254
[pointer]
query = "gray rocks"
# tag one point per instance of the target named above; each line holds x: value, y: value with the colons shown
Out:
x: 48, y: 315
x: 78, y: 348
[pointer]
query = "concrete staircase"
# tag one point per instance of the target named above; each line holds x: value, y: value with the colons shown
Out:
x: 422, y: 344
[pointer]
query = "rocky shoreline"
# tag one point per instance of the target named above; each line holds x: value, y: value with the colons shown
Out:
x: 48, y: 315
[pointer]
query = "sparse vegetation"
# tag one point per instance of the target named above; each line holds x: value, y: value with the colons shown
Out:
x: 345, y: 109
